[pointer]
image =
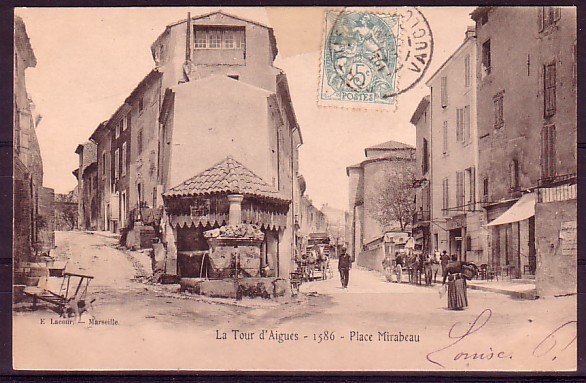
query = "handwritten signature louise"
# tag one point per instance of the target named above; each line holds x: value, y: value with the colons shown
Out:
x: 550, y: 346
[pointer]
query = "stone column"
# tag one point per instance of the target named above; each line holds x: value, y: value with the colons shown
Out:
x: 235, y: 214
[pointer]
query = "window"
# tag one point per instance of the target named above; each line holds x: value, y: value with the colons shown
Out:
x: 486, y: 60
x: 425, y: 159
x: 234, y: 76
x: 467, y: 123
x: 498, y: 110
x: 117, y: 130
x: 444, y: 92
x: 228, y: 40
x: 548, y: 16
x: 460, y: 124
x: 129, y: 120
x: 485, y: 187
x: 116, y: 164
x: 471, y: 176
x: 139, y: 142
x: 445, y: 195
x: 514, y: 175
x: 123, y: 164
x: 140, y: 105
x: 214, y: 39
x: 459, y: 189
x: 155, y: 197
x: 219, y: 38
x: 103, y: 163
x: 549, y: 82
x: 467, y: 71
x: 548, y: 151
x: 445, y: 136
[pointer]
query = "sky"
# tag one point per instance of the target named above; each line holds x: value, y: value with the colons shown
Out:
x: 90, y: 59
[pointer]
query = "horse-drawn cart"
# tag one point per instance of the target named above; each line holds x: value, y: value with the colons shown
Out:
x: 71, y: 300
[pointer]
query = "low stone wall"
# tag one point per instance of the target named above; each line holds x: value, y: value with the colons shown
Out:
x: 236, y: 288
x: 372, y: 259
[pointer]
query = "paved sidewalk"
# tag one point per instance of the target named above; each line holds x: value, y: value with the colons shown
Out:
x: 517, y: 289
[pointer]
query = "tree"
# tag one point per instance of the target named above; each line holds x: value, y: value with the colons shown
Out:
x: 393, y: 200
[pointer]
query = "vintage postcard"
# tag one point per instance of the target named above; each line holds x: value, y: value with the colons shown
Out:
x: 295, y: 189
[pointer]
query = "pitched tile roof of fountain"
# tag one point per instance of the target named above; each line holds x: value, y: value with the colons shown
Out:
x: 226, y: 177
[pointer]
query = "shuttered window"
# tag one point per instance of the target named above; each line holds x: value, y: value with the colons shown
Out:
x: 548, y: 151
x: 549, y: 89
x: 445, y: 137
x: 444, y: 91
x: 460, y: 189
x: 460, y: 124
x: 445, y: 195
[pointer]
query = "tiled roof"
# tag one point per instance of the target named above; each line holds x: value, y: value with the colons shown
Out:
x: 391, y: 145
x: 228, y: 176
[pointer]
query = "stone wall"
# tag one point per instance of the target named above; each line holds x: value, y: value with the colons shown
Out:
x: 556, y: 267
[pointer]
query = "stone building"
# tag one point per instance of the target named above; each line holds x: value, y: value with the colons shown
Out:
x: 87, y: 175
x: 455, y: 209
x: 527, y: 129
x: 33, y: 210
x: 365, y: 180
x: 421, y: 119
x: 213, y: 93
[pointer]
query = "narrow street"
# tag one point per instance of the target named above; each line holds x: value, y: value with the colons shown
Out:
x: 159, y: 328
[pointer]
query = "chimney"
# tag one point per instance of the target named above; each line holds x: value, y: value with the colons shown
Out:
x: 470, y: 32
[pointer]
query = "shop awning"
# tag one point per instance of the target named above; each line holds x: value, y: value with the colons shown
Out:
x: 522, y: 209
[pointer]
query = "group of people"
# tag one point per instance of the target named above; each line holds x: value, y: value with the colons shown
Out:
x: 454, y: 273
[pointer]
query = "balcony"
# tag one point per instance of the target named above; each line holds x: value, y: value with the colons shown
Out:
x: 421, y: 216
x: 558, y: 188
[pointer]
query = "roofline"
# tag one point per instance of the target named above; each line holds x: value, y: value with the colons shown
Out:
x: 379, y: 159
x: 449, y: 59
x: 215, y: 12
x: 388, y: 149
x: 272, y: 39
x: 126, y: 104
x: 19, y: 23
x: 423, y: 104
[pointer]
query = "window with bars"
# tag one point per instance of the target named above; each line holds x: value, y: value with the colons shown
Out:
x: 548, y: 151
x: 444, y: 91
x: 467, y: 71
x: 498, y: 100
x: 549, y: 91
x: 219, y: 38
x: 445, y: 196
x: 460, y: 124
x: 460, y: 189
x: 445, y: 137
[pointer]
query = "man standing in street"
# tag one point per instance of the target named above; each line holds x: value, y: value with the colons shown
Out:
x: 344, y: 265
